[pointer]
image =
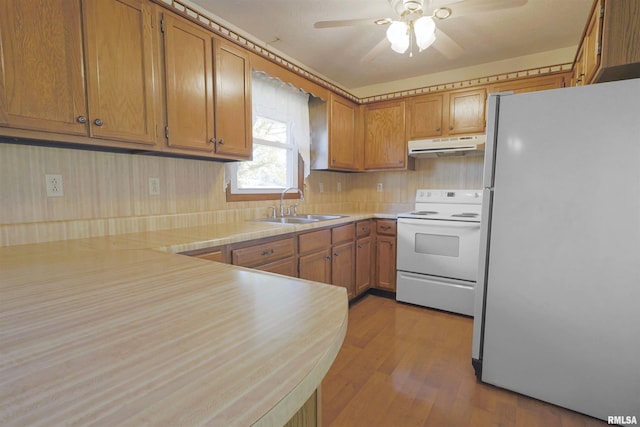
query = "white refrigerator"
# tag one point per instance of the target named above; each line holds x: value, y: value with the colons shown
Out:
x: 557, y: 305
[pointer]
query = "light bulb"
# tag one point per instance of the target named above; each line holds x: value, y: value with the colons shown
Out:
x: 398, y: 35
x: 425, y: 32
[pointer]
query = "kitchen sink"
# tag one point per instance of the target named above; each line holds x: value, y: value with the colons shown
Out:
x: 300, y: 219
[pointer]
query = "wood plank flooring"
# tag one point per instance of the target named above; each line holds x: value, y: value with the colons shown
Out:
x: 403, y: 365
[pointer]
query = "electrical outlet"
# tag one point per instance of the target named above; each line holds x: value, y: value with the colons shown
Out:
x: 154, y: 186
x: 339, y: 187
x: 379, y: 187
x: 54, y: 185
x: 322, y: 187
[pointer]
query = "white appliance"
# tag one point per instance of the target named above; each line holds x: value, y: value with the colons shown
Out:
x: 558, y: 296
x: 455, y: 145
x: 438, y: 243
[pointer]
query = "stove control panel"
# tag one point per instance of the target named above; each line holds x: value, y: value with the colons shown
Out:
x: 449, y: 196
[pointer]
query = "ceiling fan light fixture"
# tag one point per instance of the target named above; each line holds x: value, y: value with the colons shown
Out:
x: 398, y: 36
x: 442, y: 13
x: 425, y: 30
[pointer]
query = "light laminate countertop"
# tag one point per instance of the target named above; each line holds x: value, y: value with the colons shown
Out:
x: 120, y: 331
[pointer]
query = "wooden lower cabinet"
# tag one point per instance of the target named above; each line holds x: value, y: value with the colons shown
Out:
x: 385, y: 265
x: 215, y: 255
x: 329, y: 255
x: 364, y: 253
x: 343, y: 267
x: 364, y: 256
x: 316, y: 266
x: 286, y: 267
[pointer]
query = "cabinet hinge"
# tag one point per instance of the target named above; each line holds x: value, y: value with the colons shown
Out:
x: 602, y: 11
x: 162, y: 25
x: 599, y: 48
x: 166, y: 132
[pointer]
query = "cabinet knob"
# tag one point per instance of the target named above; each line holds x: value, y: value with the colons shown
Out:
x: 212, y: 140
x: 221, y: 142
x: 81, y: 119
x: 437, y: 129
x: 335, y: 254
x: 450, y: 127
x: 359, y: 246
x: 98, y: 122
x: 328, y: 257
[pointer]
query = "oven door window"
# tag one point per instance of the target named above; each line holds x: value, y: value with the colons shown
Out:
x: 437, y: 244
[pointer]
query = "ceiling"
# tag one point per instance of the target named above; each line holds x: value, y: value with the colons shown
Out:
x: 479, y: 32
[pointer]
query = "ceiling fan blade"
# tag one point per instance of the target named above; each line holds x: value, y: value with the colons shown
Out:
x: 472, y: 7
x: 380, y: 47
x: 446, y: 46
x: 344, y: 23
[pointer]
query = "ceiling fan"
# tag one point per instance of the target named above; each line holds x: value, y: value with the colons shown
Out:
x: 416, y: 23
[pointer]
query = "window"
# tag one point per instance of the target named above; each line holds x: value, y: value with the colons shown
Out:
x: 280, y: 134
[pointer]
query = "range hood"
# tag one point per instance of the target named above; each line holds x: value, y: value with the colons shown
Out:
x: 450, y: 146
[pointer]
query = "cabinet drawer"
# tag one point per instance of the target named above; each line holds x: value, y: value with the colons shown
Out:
x: 343, y: 233
x: 264, y: 253
x: 363, y: 228
x: 386, y: 226
x: 314, y: 241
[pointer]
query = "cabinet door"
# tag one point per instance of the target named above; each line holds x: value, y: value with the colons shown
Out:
x: 466, y: 111
x: 363, y: 264
x: 233, y: 102
x: 316, y: 266
x: 533, y: 84
x: 188, y: 52
x: 120, y: 70
x: 344, y: 151
x: 591, y: 43
x: 425, y: 116
x: 41, y: 71
x: 286, y: 267
x: 343, y: 267
x: 386, y: 263
x: 385, y: 143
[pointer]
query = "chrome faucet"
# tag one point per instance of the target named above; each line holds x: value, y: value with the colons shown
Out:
x: 282, y: 197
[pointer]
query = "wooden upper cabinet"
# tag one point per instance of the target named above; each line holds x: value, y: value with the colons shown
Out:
x: 467, y: 111
x: 591, y: 43
x: 610, y: 45
x: 532, y: 84
x: 447, y: 113
x: 385, y: 144
x: 345, y: 151
x: 336, y: 134
x: 41, y: 76
x: 45, y: 55
x: 188, y: 56
x: 120, y: 70
x: 232, y: 101
x: 425, y: 117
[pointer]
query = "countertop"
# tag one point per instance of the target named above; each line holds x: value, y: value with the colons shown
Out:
x: 120, y: 331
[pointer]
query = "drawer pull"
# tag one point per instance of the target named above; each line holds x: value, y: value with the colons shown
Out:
x: 82, y: 119
x: 385, y: 227
x: 267, y: 252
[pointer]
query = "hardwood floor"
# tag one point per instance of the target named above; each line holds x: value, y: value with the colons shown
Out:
x: 403, y: 365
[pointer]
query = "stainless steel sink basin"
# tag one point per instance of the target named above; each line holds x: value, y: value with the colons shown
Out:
x: 300, y: 219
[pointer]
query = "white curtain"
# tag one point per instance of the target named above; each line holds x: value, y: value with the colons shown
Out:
x: 272, y: 98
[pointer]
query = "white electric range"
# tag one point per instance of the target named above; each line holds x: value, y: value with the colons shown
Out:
x: 438, y: 246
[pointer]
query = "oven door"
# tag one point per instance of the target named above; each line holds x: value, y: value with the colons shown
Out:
x: 439, y: 248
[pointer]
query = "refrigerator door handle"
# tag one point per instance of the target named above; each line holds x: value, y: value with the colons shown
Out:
x: 493, y: 110
x: 481, y: 286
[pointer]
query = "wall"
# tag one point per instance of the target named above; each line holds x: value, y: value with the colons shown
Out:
x: 107, y: 193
